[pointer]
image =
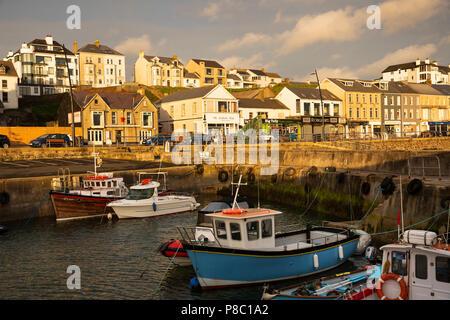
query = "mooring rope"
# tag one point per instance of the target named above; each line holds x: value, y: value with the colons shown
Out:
x: 315, y: 196
x: 412, y: 225
x: 371, y: 206
x: 38, y: 207
x: 167, y: 270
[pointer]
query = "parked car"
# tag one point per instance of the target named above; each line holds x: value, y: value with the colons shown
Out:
x: 51, y: 140
x: 157, y: 140
x: 4, y: 141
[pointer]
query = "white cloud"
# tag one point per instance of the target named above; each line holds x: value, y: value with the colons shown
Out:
x: 132, y: 46
x: 255, y: 61
x: 211, y: 11
x: 247, y: 40
x: 336, y: 56
x: 373, y: 70
x: 332, y: 26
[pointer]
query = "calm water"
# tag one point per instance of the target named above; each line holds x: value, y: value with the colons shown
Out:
x: 118, y: 260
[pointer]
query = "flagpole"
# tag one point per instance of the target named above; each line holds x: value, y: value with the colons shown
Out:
x: 401, y: 204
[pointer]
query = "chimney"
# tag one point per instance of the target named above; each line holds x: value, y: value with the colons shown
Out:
x: 10, y: 54
x: 174, y: 57
x: 141, y: 53
x: 97, y: 43
x: 262, y: 69
x: 417, y: 62
x: 427, y: 60
x: 75, y: 47
x: 49, y: 39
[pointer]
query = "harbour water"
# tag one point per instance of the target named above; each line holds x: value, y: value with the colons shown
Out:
x: 117, y: 260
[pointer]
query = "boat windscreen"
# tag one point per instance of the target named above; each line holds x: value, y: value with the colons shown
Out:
x: 140, y: 194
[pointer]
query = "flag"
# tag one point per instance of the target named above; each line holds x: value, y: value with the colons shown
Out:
x: 398, y: 218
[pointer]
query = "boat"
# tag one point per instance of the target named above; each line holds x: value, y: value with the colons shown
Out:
x: 336, y: 287
x: 246, y: 250
x: 3, y: 229
x: 143, y: 201
x: 85, y: 197
x: 417, y: 267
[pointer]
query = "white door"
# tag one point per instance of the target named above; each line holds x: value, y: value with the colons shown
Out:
x: 421, y: 277
x: 95, y: 137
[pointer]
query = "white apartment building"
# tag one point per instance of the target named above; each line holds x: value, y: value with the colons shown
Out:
x: 419, y: 71
x: 42, y: 68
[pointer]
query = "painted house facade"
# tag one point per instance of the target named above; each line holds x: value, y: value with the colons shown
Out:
x: 305, y: 107
x: 159, y: 71
x: 419, y: 71
x: 99, y: 65
x: 110, y: 118
x: 42, y: 69
x: 9, y: 95
x: 210, y: 72
x: 199, y: 110
x: 267, y: 109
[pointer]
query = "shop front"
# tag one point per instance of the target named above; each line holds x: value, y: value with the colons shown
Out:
x: 225, y: 122
x: 440, y: 128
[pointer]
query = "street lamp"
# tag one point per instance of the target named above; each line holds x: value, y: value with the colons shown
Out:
x: 321, y: 104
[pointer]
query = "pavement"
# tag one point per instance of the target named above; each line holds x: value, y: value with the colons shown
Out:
x: 49, y: 167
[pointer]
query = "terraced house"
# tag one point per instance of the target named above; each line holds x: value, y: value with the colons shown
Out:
x: 361, y: 104
x: 109, y: 118
x: 8, y: 86
x: 210, y: 72
x: 99, y: 65
x: 159, y: 71
x: 199, y: 110
x: 254, y: 78
x: 419, y: 71
x: 42, y: 69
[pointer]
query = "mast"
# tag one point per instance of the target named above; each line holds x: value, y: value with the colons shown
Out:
x: 71, y: 97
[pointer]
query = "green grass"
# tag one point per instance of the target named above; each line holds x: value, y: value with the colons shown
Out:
x: 45, y: 112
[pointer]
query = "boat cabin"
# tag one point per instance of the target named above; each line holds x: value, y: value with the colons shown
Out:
x: 245, y: 228
x: 423, y: 264
x: 146, y: 189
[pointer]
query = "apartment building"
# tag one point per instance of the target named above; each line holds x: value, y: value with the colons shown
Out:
x: 419, y: 71
x: 199, y: 110
x: 42, y: 68
x: 254, y: 78
x: 9, y: 95
x: 160, y: 71
x: 361, y: 104
x: 210, y: 72
x: 99, y: 65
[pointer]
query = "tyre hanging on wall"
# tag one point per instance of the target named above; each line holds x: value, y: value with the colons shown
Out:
x: 414, y: 186
x: 199, y: 169
x: 365, y: 188
x: 4, y: 198
x: 445, y: 202
x: 251, y: 178
x: 274, y: 178
x: 289, y: 171
x: 341, y: 177
x: 223, y: 176
x: 387, y: 186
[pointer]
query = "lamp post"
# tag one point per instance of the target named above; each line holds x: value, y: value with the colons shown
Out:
x: 321, y: 104
x: 71, y: 97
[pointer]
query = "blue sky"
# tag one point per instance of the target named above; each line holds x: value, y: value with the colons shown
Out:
x: 290, y: 37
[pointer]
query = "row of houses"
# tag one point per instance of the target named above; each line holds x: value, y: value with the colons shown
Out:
x: 342, y: 107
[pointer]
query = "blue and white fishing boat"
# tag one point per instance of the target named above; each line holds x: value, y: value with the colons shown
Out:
x: 247, y: 251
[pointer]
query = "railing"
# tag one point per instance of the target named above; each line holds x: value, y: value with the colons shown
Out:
x: 423, y: 167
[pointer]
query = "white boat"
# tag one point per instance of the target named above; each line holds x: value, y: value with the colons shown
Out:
x: 143, y: 201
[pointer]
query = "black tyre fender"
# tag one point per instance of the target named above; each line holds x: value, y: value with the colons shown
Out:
x: 387, y: 186
x: 365, y: 188
x: 445, y: 202
x: 341, y: 177
x: 414, y: 186
x: 4, y: 198
x: 251, y: 178
x: 289, y: 171
x: 223, y: 176
x: 307, y: 188
x: 274, y: 178
x: 199, y: 168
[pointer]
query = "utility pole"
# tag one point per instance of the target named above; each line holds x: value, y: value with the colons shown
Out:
x: 71, y: 97
x: 321, y: 106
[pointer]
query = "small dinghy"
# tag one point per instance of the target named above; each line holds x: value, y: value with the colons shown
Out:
x: 3, y: 229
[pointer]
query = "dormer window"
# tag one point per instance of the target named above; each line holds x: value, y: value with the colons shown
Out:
x: 348, y: 83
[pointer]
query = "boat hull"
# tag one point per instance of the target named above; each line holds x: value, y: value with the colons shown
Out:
x: 69, y: 207
x: 152, y: 209
x: 219, y: 267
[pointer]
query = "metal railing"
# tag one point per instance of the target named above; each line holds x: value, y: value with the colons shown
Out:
x: 423, y: 167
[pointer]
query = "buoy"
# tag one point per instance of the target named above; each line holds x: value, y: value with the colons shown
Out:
x: 316, y: 261
x: 341, y: 252
x: 154, y: 206
x: 146, y: 181
x: 194, y: 284
x: 109, y: 216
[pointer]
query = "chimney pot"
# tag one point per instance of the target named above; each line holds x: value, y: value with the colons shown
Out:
x: 97, y: 43
x: 75, y: 47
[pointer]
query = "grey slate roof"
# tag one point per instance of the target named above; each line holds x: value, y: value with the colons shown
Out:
x: 92, y: 48
x: 261, y: 104
x: 309, y: 93
x: 165, y: 60
x: 445, y: 89
x: 186, y: 94
x: 10, y: 71
x: 357, y: 86
x: 209, y: 63
x: 115, y: 100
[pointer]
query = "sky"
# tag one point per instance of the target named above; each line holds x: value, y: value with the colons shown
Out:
x: 289, y: 37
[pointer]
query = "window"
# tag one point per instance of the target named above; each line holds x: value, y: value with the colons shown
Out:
x: 350, y: 97
x: 5, y: 96
x: 99, y: 60
x: 221, y: 231
x: 5, y: 84
x: 147, y: 119
x: 316, y: 109
x: 297, y: 105
x: 421, y: 266
x: 350, y: 112
x: 114, y: 117
x: 194, y: 108
x: 371, y: 113
x: 392, y: 114
x: 399, y: 263
x: 208, y: 71
x: 97, y: 118
x: 376, y: 112
x: 443, y: 269
x: 128, y: 117
x: 252, y: 230
x: 266, y: 228
x: 235, y: 231
x: 326, y: 109
x: 306, y: 107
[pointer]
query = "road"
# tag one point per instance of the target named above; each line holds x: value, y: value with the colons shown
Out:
x: 49, y: 167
